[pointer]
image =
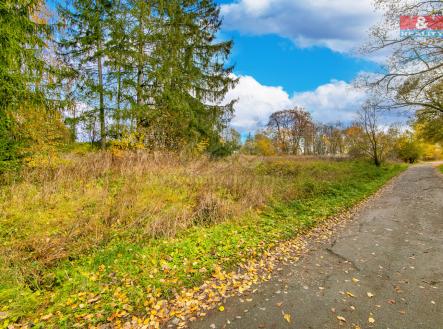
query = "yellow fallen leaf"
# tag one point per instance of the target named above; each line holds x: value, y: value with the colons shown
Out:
x: 370, y: 295
x: 287, y: 317
x: 371, y: 320
x: 355, y: 280
x: 340, y: 318
x: 221, y: 308
x: 350, y: 294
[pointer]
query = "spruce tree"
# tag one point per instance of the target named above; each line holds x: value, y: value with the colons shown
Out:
x: 22, y: 68
x: 83, y: 43
x: 188, y: 77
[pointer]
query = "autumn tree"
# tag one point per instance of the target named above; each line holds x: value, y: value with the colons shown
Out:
x: 374, y: 142
x: 414, y: 71
x: 26, y: 78
x: 291, y: 129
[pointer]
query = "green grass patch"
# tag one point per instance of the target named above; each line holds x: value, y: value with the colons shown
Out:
x: 124, y: 261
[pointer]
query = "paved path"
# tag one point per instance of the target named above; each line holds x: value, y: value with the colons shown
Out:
x: 394, y: 248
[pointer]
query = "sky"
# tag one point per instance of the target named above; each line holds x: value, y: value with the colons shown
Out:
x: 297, y: 52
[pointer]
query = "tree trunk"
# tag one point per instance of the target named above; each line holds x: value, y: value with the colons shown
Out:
x: 101, y: 96
x: 140, y: 77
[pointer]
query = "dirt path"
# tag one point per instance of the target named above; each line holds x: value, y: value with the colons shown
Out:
x: 383, y: 270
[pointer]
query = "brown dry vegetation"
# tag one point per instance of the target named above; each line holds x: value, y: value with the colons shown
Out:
x: 60, y: 212
x: 60, y: 224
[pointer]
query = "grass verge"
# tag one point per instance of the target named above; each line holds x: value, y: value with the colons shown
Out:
x: 79, y: 247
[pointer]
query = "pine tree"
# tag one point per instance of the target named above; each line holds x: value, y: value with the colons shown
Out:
x: 83, y: 41
x: 188, y: 76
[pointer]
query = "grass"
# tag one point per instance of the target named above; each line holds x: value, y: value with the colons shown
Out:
x: 440, y: 168
x: 93, y: 236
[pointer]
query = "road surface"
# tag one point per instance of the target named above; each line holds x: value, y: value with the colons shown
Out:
x: 383, y: 270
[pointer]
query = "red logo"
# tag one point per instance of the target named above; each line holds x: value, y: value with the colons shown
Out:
x: 421, y: 22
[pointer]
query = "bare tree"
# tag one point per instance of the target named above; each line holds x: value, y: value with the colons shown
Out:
x: 415, y: 66
x: 375, y: 142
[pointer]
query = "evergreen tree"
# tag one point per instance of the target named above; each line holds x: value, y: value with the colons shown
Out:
x: 22, y: 69
x: 83, y: 42
x: 189, y: 77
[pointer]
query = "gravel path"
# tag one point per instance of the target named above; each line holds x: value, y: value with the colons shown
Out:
x: 383, y: 270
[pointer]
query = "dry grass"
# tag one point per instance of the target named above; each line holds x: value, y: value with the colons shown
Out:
x: 125, y: 218
x: 59, y: 213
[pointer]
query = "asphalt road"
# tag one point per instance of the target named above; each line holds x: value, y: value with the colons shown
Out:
x: 383, y: 270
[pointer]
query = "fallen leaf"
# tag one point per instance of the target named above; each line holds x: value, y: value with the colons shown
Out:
x: 391, y: 301
x: 370, y: 294
x: 340, y: 318
x: 287, y: 317
x: 350, y: 294
x: 221, y: 308
x: 279, y: 304
x: 355, y: 280
x: 371, y: 320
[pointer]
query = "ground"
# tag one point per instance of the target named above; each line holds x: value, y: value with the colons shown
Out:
x: 384, y: 269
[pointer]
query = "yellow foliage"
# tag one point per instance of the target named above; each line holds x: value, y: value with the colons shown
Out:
x: 43, y: 132
x: 432, y: 152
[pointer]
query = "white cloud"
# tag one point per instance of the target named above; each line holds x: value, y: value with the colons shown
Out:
x: 256, y: 102
x: 332, y: 102
x: 339, y: 25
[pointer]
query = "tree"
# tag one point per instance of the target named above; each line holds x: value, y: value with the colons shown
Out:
x: 83, y: 41
x: 188, y: 77
x: 374, y: 142
x: 415, y: 67
x: 291, y: 128
x: 24, y: 72
x: 408, y: 148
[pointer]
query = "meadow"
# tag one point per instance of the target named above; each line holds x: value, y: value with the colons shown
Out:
x: 97, y: 233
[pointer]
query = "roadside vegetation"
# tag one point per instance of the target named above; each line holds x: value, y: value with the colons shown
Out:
x: 121, y: 179
x: 91, y: 239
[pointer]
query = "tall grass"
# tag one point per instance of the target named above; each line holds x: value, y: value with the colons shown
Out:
x: 58, y: 223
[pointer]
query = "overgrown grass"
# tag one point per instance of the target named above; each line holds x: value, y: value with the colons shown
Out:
x: 94, y: 235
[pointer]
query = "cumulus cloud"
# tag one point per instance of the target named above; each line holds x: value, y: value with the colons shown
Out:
x: 338, y: 25
x: 332, y: 102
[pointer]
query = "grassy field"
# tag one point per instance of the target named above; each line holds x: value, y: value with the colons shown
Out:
x: 97, y: 235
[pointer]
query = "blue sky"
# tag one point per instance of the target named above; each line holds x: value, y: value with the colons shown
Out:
x: 297, y: 52
x: 275, y: 60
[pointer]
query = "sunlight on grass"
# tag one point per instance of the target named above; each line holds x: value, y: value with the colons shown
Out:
x: 118, y: 228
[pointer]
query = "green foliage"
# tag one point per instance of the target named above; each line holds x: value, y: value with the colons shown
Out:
x: 90, y: 257
x: 260, y: 144
x: 429, y: 126
x: 408, y: 148
x: 226, y: 146
x: 26, y: 80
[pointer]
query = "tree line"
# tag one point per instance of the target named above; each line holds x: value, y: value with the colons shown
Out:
x: 294, y: 132
x: 152, y: 73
